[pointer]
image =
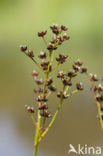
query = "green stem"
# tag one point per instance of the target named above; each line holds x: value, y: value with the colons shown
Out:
x: 100, y: 116
x: 34, y: 61
x: 37, y: 134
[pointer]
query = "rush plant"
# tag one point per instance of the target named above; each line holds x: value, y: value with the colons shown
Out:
x: 45, y: 86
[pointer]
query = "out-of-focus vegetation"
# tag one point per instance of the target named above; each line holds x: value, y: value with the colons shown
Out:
x: 20, y: 22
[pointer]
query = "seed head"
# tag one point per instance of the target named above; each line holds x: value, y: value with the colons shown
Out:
x: 40, y: 99
x: 42, y: 106
x: 79, y: 86
x: 60, y: 94
x: 55, y: 29
x: 66, y: 37
x: 64, y: 28
x: 23, y: 48
x: 34, y: 73
x: 76, y: 68
x: 61, y: 74
x: 62, y: 58
x: 49, y: 82
x: 99, y: 98
x: 93, y: 77
x: 39, y: 81
x: 42, y: 55
x: 46, y: 114
x: 67, y: 82
x: 52, y: 88
x: 78, y: 63
x: 29, y: 109
x: 71, y: 74
x: 42, y: 33
x: 30, y: 53
x: 83, y: 70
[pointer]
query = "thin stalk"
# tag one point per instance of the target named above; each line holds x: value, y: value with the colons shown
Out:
x: 44, y: 41
x: 99, y: 112
x: 34, y: 121
x: 37, y: 134
x: 34, y: 61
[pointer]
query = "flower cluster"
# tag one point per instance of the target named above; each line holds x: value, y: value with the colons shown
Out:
x: 45, y: 85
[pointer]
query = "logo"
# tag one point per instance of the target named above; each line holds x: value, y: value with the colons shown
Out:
x: 84, y: 150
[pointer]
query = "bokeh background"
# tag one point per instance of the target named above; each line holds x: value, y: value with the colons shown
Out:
x: 20, y: 20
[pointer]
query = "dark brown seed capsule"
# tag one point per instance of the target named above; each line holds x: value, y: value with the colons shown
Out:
x: 42, y: 33
x: 30, y: 53
x: 23, y: 48
x: 49, y: 82
x: 83, y: 70
x: 40, y: 99
x: 43, y: 106
x: 66, y: 37
x: 55, y: 29
x: 39, y: 81
x: 67, y: 82
x: 42, y: 55
x: 78, y: 63
x: 79, y: 86
x: 61, y: 74
x: 52, y: 88
x: 50, y: 47
x: 93, y: 77
x: 44, y: 65
x: 30, y: 109
x: 71, y: 74
x: 98, y: 88
x: 46, y: 114
x: 39, y: 90
x: 99, y: 98
x: 102, y: 107
x: 64, y: 28
x: 34, y: 73
x: 60, y: 94
x: 60, y: 39
x: 62, y: 58
x: 76, y: 68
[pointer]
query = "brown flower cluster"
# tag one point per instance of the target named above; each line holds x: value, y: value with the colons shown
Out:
x: 45, y: 84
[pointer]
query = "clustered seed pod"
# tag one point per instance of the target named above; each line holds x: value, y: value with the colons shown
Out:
x: 67, y: 82
x: 39, y: 81
x: 64, y: 28
x: 49, y: 82
x: 46, y: 114
x: 23, y: 48
x: 29, y: 109
x: 52, y: 88
x: 55, y: 29
x: 79, y: 86
x: 42, y: 33
x: 71, y: 74
x: 42, y: 55
x: 61, y: 94
x: 61, y: 74
x: 40, y: 98
x: 66, y: 37
x: 42, y: 106
x: 34, y: 73
x: 93, y: 77
x: 62, y: 58
x: 30, y: 53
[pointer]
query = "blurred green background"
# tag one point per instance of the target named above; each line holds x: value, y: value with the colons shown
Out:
x: 77, y: 122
